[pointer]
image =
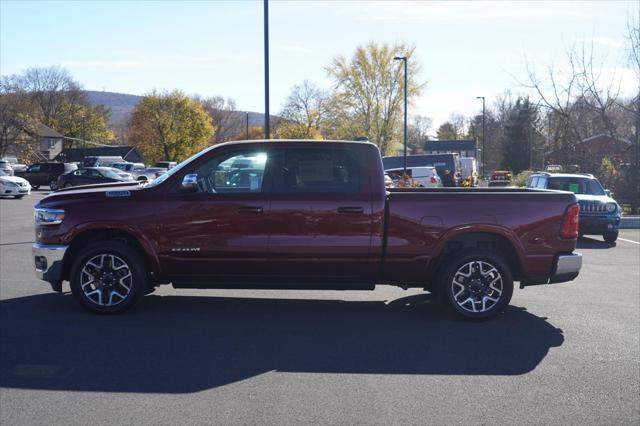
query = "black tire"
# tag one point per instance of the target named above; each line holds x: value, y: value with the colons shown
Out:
x: 68, y: 185
x: 35, y: 186
x: 463, y: 297
x: 610, y: 236
x: 111, y: 283
x: 18, y: 196
x: 53, y: 184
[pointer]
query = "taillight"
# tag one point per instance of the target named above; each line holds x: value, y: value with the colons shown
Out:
x: 433, y: 180
x: 570, y: 222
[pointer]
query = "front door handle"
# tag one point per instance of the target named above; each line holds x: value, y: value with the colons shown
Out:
x: 351, y: 210
x: 249, y: 209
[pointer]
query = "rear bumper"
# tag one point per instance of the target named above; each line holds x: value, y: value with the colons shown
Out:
x: 566, y: 268
x: 48, y: 263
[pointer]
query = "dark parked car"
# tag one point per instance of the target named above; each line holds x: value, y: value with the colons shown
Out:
x: 90, y: 176
x: 313, y: 215
x: 599, y: 213
x: 46, y: 174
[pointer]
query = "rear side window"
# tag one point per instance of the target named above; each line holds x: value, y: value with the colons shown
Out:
x: 533, y: 182
x: 541, y: 183
x: 318, y: 170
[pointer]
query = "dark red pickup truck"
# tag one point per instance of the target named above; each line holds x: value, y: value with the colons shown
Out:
x: 301, y: 215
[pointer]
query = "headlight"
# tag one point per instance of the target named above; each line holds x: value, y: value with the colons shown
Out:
x: 44, y: 216
x: 612, y: 207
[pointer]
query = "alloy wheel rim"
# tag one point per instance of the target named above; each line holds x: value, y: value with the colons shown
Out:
x: 477, y: 286
x: 106, y: 280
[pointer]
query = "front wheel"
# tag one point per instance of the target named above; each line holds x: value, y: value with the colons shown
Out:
x: 53, y: 185
x: 19, y: 196
x: 610, y: 236
x: 477, y: 284
x: 108, y: 277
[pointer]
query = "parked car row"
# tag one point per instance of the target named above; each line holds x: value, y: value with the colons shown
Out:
x: 93, y: 170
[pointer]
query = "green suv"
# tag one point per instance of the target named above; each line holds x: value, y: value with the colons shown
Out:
x: 599, y: 213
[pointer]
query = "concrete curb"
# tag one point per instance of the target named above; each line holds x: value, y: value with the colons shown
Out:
x: 630, y: 222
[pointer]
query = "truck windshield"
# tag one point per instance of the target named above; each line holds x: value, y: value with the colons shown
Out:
x: 157, y: 181
x: 576, y: 185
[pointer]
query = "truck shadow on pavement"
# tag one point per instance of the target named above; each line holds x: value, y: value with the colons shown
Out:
x: 180, y: 344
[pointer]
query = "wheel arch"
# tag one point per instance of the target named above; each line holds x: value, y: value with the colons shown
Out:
x: 110, y: 233
x: 496, y: 240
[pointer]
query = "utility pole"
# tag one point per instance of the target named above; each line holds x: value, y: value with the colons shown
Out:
x: 267, y: 130
x: 84, y: 144
x: 247, y: 125
x: 404, y: 59
x: 484, y: 137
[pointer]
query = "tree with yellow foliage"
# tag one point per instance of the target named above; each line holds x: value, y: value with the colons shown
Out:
x: 170, y: 126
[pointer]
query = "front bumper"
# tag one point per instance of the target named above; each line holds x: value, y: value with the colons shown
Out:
x: 598, y: 224
x: 11, y: 191
x: 48, y: 263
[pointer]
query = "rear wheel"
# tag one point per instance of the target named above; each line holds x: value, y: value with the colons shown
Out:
x: 19, y: 196
x: 35, y: 186
x: 610, y: 236
x: 108, y: 277
x: 477, y: 284
x: 53, y: 184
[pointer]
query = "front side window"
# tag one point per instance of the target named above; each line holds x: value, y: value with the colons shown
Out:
x: 319, y: 170
x: 230, y: 173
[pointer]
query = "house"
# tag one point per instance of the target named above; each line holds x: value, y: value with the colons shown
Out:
x: 48, y: 141
x: 462, y: 147
x: 127, y: 152
x: 589, y: 153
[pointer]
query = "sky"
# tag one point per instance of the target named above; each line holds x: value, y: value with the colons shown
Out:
x: 466, y: 49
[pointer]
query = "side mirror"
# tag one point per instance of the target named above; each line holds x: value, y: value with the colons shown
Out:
x: 190, y: 183
x: 608, y: 192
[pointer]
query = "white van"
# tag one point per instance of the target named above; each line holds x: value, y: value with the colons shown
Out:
x: 469, y: 168
x: 426, y: 177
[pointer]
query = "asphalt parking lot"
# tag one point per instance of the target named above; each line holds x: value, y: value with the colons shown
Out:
x: 565, y: 353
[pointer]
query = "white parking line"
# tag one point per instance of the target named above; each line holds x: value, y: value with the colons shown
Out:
x: 629, y: 241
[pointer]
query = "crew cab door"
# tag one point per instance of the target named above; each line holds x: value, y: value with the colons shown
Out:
x: 321, y: 216
x: 219, y: 233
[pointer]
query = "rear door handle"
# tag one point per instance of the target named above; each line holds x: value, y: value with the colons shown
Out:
x: 249, y: 209
x: 350, y: 210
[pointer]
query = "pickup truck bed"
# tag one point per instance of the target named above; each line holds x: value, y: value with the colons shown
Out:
x: 304, y: 215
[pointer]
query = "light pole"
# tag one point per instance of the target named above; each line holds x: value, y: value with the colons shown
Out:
x: 247, y: 124
x: 267, y: 132
x: 483, y: 135
x: 404, y: 59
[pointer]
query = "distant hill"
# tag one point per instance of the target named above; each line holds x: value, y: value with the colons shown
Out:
x: 122, y: 105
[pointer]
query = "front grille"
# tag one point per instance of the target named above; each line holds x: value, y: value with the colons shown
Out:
x: 592, y: 207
